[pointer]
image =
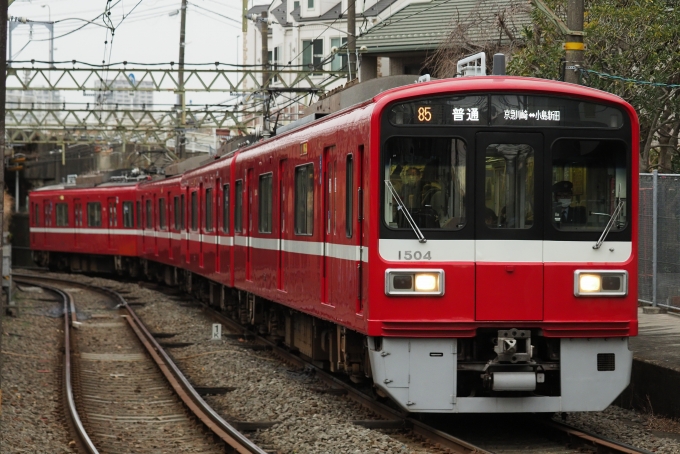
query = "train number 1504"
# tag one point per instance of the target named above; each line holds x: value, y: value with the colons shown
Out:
x: 414, y: 255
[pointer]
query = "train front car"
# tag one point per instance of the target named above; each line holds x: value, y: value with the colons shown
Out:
x: 504, y: 272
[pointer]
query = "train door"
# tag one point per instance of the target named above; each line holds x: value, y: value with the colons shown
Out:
x: 355, y: 185
x: 202, y: 208
x: 77, y: 221
x: 282, y: 224
x: 215, y: 245
x: 249, y: 227
x: 113, y: 221
x: 509, y: 239
x: 330, y: 240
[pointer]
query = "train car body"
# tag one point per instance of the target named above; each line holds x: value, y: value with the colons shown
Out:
x: 468, y: 244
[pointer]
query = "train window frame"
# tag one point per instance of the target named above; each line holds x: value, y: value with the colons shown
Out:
x: 94, y: 214
x: 194, y: 211
x: 225, y: 208
x: 208, y: 215
x: 162, y: 225
x: 128, y: 215
x: 62, y: 214
x: 47, y: 207
x: 183, y: 210
x: 238, y: 207
x: 349, y: 195
x: 177, y: 213
x: 139, y: 213
x: 304, y: 207
x: 36, y: 214
x: 265, y: 202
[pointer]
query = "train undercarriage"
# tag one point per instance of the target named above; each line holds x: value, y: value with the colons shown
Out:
x: 499, y: 370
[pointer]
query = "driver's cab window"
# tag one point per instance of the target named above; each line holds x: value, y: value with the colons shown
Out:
x: 588, y: 185
x: 425, y: 181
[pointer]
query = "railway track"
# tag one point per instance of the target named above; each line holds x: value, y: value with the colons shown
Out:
x: 451, y: 433
x: 123, y: 392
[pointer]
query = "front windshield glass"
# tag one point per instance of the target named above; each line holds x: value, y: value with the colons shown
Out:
x: 428, y: 174
x: 588, y: 182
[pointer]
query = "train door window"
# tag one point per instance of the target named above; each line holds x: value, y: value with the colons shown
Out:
x: 149, y: 214
x: 161, y: 214
x: 36, y: 214
x: 48, y: 213
x: 427, y: 174
x: 62, y: 214
x: 225, y: 209
x: 264, y: 215
x: 238, y: 208
x: 509, y: 186
x: 139, y: 215
x: 589, y: 185
x: 194, y: 210
x: 183, y: 216
x: 128, y: 216
x: 349, y: 191
x: 304, y: 200
x: 94, y: 214
x: 177, y: 213
x: 209, y: 210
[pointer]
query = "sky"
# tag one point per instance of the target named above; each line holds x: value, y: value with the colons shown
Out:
x: 144, y: 32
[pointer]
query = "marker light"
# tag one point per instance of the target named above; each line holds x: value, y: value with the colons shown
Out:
x: 412, y: 282
x: 589, y: 283
x: 427, y: 282
x: 600, y: 283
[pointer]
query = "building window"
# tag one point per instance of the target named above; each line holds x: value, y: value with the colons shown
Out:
x: 339, y: 62
x: 149, y: 215
x: 264, y: 216
x: 310, y: 4
x: 304, y: 200
x: 349, y: 192
x: 128, y: 215
x: 94, y: 214
x: 238, y: 209
x: 225, y: 209
x: 161, y: 214
x: 296, y: 5
x: 194, y: 210
x: 312, y: 53
x: 208, y: 210
x: 62, y: 214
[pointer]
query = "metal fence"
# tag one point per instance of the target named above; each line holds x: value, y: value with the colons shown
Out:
x: 659, y: 249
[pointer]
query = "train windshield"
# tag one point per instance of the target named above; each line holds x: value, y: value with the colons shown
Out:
x: 428, y: 175
x: 588, y: 185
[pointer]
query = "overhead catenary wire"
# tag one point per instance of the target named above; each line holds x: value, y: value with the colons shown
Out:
x: 216, y: 13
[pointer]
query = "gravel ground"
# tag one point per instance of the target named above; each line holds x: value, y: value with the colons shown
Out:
x: 32, y: 412
x: 643, y: 431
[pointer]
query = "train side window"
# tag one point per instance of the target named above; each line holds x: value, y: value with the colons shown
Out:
x: 349, y: 191
x: 304, y: 200
x: 264, y: 215
x: 194, y: 210
x: 225, y: 209
x: 36, y: 214
x: 128, y: 216
x: 161, y: 214
x: 149, y: 214
x: 238, y: 208
x: 208, y: 210
x: 178, y: 223
x: 48, y: 214
x: 62, y: 214
x: 183, y: 216
x: 94, y: 214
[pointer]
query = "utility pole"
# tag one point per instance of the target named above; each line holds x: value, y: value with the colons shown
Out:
x: 574, y: 46
x: 352, y: 38
x: 264, y: 34
x: 181, y: 135
x: 3, y: 77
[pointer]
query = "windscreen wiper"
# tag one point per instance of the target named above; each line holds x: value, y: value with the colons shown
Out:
x: 610, y: 224
x: 407, y: 215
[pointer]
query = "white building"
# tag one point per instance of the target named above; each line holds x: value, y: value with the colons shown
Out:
x: 128, y: 99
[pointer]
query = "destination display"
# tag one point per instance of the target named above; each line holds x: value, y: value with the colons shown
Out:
x: 505, y: 110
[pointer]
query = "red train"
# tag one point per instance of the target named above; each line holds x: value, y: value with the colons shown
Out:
x: 468, y: 244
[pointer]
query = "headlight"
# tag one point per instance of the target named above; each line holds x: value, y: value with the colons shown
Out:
x: 600, y: 283
x: 414, y: 282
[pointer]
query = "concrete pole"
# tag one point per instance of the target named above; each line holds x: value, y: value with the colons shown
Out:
x: 264, y: 56
x: 3, y: 77
x: 352, y: 38
x: 181, y: 136
x: 574, y: 45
